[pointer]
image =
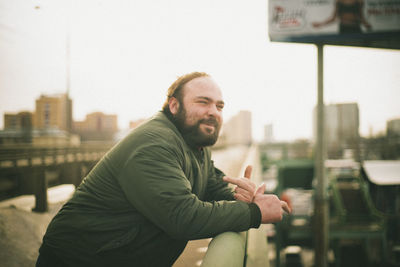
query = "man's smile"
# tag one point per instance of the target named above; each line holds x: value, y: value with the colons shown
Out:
x: 209, y: 125
x: 210, y: 128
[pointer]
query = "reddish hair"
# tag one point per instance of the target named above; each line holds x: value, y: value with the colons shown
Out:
x: 175, y: 90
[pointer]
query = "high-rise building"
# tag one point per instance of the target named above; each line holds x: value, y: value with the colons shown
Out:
x: 341, y: 129
x: 54, y: 111
x: 393, y: 127
x: 393, y: 138
x: 268, y: 133
x: 97, y: 126
x: 238, y: 129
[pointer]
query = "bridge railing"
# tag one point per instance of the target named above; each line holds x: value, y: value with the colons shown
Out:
x: 22, y: 156
x: 24, y: 168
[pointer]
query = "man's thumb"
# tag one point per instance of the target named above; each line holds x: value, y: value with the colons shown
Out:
x: 261, y: 189
x: 247, y: 172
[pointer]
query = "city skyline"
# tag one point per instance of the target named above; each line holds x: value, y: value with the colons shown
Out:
x: 124, y: 56
x: 139, y: 120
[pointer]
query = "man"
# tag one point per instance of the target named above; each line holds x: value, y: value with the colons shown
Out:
x: 157, y: 189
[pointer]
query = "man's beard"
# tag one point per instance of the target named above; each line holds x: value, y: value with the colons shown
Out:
x: 192, y: 134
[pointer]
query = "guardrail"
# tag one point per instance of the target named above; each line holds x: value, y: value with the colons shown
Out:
x: 249, y: 248
x: 23, y: 156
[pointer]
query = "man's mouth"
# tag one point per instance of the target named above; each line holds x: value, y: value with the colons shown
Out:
x: 210, y: 124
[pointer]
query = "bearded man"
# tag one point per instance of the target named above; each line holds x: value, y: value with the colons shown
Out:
x: 157, y: 189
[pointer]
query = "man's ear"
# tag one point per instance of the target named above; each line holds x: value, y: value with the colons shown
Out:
x: 173, y: 105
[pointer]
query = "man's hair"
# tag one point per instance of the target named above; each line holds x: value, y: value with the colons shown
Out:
x: 175, y: 90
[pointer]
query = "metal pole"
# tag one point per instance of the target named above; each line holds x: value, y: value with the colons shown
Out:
x: 321, y: 201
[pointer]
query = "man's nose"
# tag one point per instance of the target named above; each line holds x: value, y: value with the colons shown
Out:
x: 213, y: 111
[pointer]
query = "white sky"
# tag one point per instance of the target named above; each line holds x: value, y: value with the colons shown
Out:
x: 126, y: 53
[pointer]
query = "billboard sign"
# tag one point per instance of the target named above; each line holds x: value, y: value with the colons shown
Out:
x: 333, y: 21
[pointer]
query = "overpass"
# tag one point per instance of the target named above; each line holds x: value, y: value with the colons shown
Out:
x: 26, y: 169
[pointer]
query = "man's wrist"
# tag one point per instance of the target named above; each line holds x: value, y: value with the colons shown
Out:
x: 255, y: 215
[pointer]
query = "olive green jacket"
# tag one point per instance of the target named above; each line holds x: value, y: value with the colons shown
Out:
x: 151, y: 187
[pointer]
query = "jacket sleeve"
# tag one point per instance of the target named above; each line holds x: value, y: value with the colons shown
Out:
x: 154, y: 183
x: 217, y: 189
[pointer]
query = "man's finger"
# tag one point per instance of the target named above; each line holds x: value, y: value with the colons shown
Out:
x: 285, y: 206
x: 241, y: 198
x: 261, y: 189
x: 241, y: 182
x: 247, y: 172
x: 239, y: 190
x: 243, y: 192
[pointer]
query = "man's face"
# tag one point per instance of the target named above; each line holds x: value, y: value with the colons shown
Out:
x: 199, y: 115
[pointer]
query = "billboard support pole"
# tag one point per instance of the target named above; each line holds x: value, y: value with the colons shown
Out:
x: 321, y: 200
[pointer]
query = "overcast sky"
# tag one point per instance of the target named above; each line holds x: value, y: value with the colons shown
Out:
x: 125, y: 54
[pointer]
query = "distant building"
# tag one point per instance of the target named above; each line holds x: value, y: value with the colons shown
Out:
x: 97, y: 127
x: 17, y: 128
x: 18, y: 121
x: 273, y: 151
x: 121, y: 134
x: 393, y: 139
x: 12, y: 136
x: 136, y: 123
x: 238, y: 129
x: 50, y: 125
x: 341, y: 129
x: 54, y: 137
x: 54, y: 112
x: 393, y: 127
x: 268, y: 133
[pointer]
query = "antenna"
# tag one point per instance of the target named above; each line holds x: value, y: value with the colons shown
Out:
x: 67, y: 61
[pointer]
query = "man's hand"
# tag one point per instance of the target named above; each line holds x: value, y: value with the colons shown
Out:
x: 245, y: 189
x: 271, y: 206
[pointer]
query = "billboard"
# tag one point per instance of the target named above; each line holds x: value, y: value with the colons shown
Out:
x: 343, y: 22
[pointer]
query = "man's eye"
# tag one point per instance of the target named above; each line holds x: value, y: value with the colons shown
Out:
x: 220, y: 107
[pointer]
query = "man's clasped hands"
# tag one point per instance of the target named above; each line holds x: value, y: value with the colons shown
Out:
x: 271, y: 207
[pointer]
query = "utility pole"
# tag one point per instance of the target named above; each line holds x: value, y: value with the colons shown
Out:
x: 321, y: 199
x: 68, y: 55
